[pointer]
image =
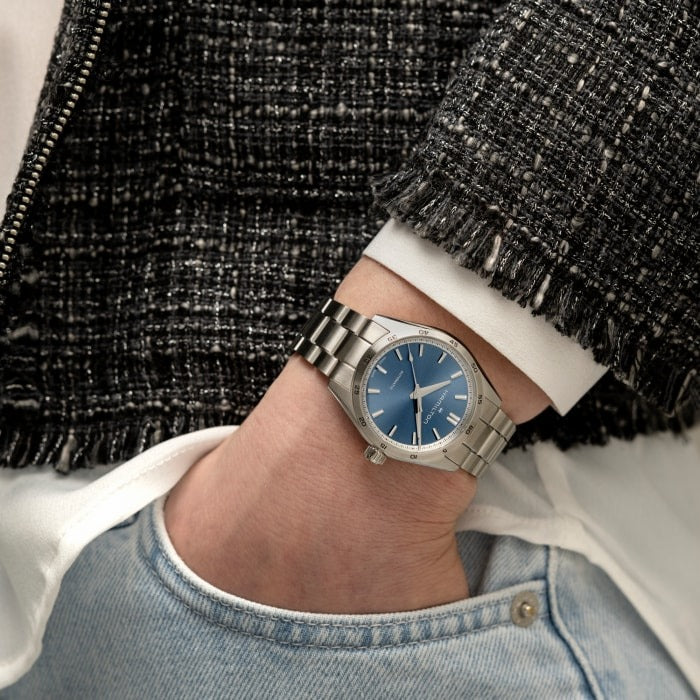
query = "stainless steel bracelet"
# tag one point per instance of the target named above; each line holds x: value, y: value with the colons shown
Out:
x: 335, y: 334
x: 334, y: 340
x: 485, y: 443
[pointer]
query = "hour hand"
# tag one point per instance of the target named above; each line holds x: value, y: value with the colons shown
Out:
x: 420, y: 391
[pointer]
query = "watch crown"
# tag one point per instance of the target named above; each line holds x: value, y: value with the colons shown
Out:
x: 374, y: 455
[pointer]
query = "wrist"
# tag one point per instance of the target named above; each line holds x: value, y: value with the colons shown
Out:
x: 289, y: 513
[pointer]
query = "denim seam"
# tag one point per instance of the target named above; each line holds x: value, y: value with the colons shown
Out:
x: 575, y: 650
x: 312, y: 645
x: 278, y: 618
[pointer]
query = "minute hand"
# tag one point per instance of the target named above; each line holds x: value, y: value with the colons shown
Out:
x: 422, y: 391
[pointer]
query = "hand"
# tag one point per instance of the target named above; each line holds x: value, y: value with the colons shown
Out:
x: 418, y: 399
x: 419, y: 423
x: 420, y: 392
x: 287, y: 511
x: 413, y: 371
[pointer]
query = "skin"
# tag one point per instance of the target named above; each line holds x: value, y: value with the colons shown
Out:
x: 287, y: 511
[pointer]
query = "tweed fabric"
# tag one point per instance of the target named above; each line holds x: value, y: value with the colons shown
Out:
x: 563, y: 165
x: 215, y: 180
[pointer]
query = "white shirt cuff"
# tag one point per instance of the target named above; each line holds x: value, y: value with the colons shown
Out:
x: 556, y: 363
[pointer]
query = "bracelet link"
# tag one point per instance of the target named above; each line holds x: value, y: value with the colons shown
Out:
x: 337, y: 334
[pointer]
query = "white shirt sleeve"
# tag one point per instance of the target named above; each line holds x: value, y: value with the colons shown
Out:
x: 556, y: 363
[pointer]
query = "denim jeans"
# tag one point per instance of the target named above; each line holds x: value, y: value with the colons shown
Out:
x: 132, y: 621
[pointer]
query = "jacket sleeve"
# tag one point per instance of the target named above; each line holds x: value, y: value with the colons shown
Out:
x: 560, y: 367
x: 562, y: 165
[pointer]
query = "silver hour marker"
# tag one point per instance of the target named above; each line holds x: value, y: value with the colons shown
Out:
x: 398, y: 353
x: 420, y: 350
x: 453, y: 418
x: 461, y: 397
x: 454, y: 375
x: 414, y: 439
x: 393, y: 430
x: 381, y: 369
x: 442, y: 357
x: 436, y: 434
x: 375, y: 391
x: 378, y: 413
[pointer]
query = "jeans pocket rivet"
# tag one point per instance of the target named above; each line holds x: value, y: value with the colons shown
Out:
x: 524, y: 609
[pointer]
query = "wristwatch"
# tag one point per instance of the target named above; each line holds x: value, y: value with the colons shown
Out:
x: 414, y: 392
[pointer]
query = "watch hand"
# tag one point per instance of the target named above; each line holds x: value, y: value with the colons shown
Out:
x: 419, y: 423
x: 425, y: 390
x: 417, y: 397
x: 413, y: 369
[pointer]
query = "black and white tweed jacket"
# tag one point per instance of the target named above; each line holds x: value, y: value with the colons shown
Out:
x: 201, y: 174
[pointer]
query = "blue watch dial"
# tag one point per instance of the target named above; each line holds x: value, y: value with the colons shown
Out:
x: 417, y: 392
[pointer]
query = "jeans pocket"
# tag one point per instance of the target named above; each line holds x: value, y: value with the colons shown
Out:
x: 491, y: 608
x: 133, y: 621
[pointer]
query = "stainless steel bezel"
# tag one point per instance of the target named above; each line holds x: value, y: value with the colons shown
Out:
x: 435, y: 455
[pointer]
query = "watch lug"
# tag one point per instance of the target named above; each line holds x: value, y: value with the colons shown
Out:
x: 395, y: 326
x: 489, y: 392
x: 343, y: 394
x: 341, y: 378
